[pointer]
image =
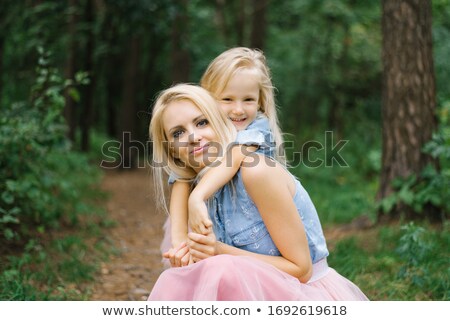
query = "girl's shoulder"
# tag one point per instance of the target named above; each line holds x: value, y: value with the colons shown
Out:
x: 261, y: 123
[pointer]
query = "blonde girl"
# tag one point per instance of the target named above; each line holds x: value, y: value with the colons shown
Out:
x: 239, y: 79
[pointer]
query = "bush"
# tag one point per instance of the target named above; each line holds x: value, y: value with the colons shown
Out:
x: 40, y: 179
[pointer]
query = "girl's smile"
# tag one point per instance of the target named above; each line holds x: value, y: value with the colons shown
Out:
x: 240, y: 98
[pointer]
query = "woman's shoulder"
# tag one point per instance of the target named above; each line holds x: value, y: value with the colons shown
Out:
x: 259, y: 169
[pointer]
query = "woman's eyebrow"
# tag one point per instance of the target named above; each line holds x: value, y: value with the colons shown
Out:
x: 198, y: 118
x: 181, y: 127
x: 175, y: 128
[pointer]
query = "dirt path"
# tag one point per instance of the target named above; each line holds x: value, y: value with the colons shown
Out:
x: 131, y: 273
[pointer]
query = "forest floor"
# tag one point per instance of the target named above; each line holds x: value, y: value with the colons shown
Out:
x: 131, y: 273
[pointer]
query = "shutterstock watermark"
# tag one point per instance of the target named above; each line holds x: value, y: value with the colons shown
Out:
x: 312, y: 154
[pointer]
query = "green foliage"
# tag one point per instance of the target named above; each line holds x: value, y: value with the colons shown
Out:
x: 39, y: 174
x: 409, y: 262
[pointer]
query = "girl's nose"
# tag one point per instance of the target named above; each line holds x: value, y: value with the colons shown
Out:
x: 238, y: 110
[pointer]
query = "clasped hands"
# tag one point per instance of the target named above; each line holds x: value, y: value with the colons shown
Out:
x: 201, y: 242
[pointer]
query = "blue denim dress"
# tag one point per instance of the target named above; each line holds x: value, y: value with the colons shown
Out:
x: 237, y: 222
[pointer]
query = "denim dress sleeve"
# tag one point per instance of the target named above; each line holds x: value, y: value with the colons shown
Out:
x: 258, y: 133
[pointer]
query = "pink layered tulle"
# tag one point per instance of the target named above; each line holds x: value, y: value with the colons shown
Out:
x: 236, y: 278
x: 166, y: 243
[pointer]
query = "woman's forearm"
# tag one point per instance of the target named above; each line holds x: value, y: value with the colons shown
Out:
x: 302, y: 271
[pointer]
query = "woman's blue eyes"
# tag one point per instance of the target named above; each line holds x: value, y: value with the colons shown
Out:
x: 200, y: 123
x: 203, y: 122
x: 177, y: 133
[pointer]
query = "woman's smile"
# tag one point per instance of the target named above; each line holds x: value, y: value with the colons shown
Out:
x: 188, y: 133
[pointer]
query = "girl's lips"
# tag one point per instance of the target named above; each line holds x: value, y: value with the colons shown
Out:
x: 238, y: 120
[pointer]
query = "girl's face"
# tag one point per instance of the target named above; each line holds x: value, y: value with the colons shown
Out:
x: 190, y: 136
x: 240, y: 98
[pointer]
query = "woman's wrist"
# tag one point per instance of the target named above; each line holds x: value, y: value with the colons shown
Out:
x: 218, y: 248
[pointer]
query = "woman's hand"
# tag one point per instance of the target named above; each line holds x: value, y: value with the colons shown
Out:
x: 179, y: 256
x: 202, y: 246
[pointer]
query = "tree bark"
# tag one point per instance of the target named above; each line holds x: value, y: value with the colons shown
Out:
x: 408, y: 108
x: 128, y: 117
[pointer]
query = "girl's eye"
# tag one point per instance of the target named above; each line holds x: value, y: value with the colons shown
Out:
x: 250, y: 99
x: 226, y: 99
x: 202, y: 122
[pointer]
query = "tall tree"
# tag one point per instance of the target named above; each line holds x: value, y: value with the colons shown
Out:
x: 180, y: 52
x: 70, y: 68
x: 408, y: 110
x: 88, y: 106
x: 128, y: 117
x: 259, y: 24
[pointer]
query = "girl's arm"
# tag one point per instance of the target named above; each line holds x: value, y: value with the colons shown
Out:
x: 271, y: 188
x: 213, y: 180
x: 178, y: 212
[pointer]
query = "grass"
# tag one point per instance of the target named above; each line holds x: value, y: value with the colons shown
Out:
x: 60, y: 266
x: 397, y: 262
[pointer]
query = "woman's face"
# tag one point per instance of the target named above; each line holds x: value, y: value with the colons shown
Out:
x: 190, y: 136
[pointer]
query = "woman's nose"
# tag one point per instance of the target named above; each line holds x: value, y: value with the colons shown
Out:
x: 194, y: 136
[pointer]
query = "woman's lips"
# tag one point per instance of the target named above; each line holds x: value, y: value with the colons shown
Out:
x: 199, y: 149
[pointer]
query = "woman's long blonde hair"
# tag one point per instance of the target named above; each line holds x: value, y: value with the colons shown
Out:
x: 226, y: 65
x: 163, y: 158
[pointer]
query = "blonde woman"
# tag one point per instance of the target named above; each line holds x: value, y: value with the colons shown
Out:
x: 266, y: 243
x: 239, y: 79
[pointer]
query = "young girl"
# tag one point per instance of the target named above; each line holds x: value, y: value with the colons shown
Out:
x: 240, y: 81
x: 267, y: 243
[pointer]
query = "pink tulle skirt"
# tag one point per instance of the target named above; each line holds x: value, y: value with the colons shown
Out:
x: 166, y: 243
x: 238, y: 278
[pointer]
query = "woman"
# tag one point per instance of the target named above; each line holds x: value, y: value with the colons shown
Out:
x: 267, y: 242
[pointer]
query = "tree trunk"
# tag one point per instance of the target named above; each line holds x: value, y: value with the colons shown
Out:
x: 221, y: 21
x: 240, y: 22
x: 128, y: 117
x: 70, y: 68
x: 180, y: 52
x: 88, y: 106
x: 408, y: 110
x: 259, y: 25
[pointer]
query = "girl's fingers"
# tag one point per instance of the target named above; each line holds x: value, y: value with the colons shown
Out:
x: 185, y: 259
x: 179, y: 256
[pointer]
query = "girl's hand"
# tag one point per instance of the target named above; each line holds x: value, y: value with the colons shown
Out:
x: 202, y: 246
x: 179, y: 256
x: 198, y: 216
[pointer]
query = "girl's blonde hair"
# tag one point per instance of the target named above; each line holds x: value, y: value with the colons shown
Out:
x: 226, y: 65
x: 163, y: 158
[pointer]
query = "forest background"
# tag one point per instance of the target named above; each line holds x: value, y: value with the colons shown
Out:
x: 77, y: 81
